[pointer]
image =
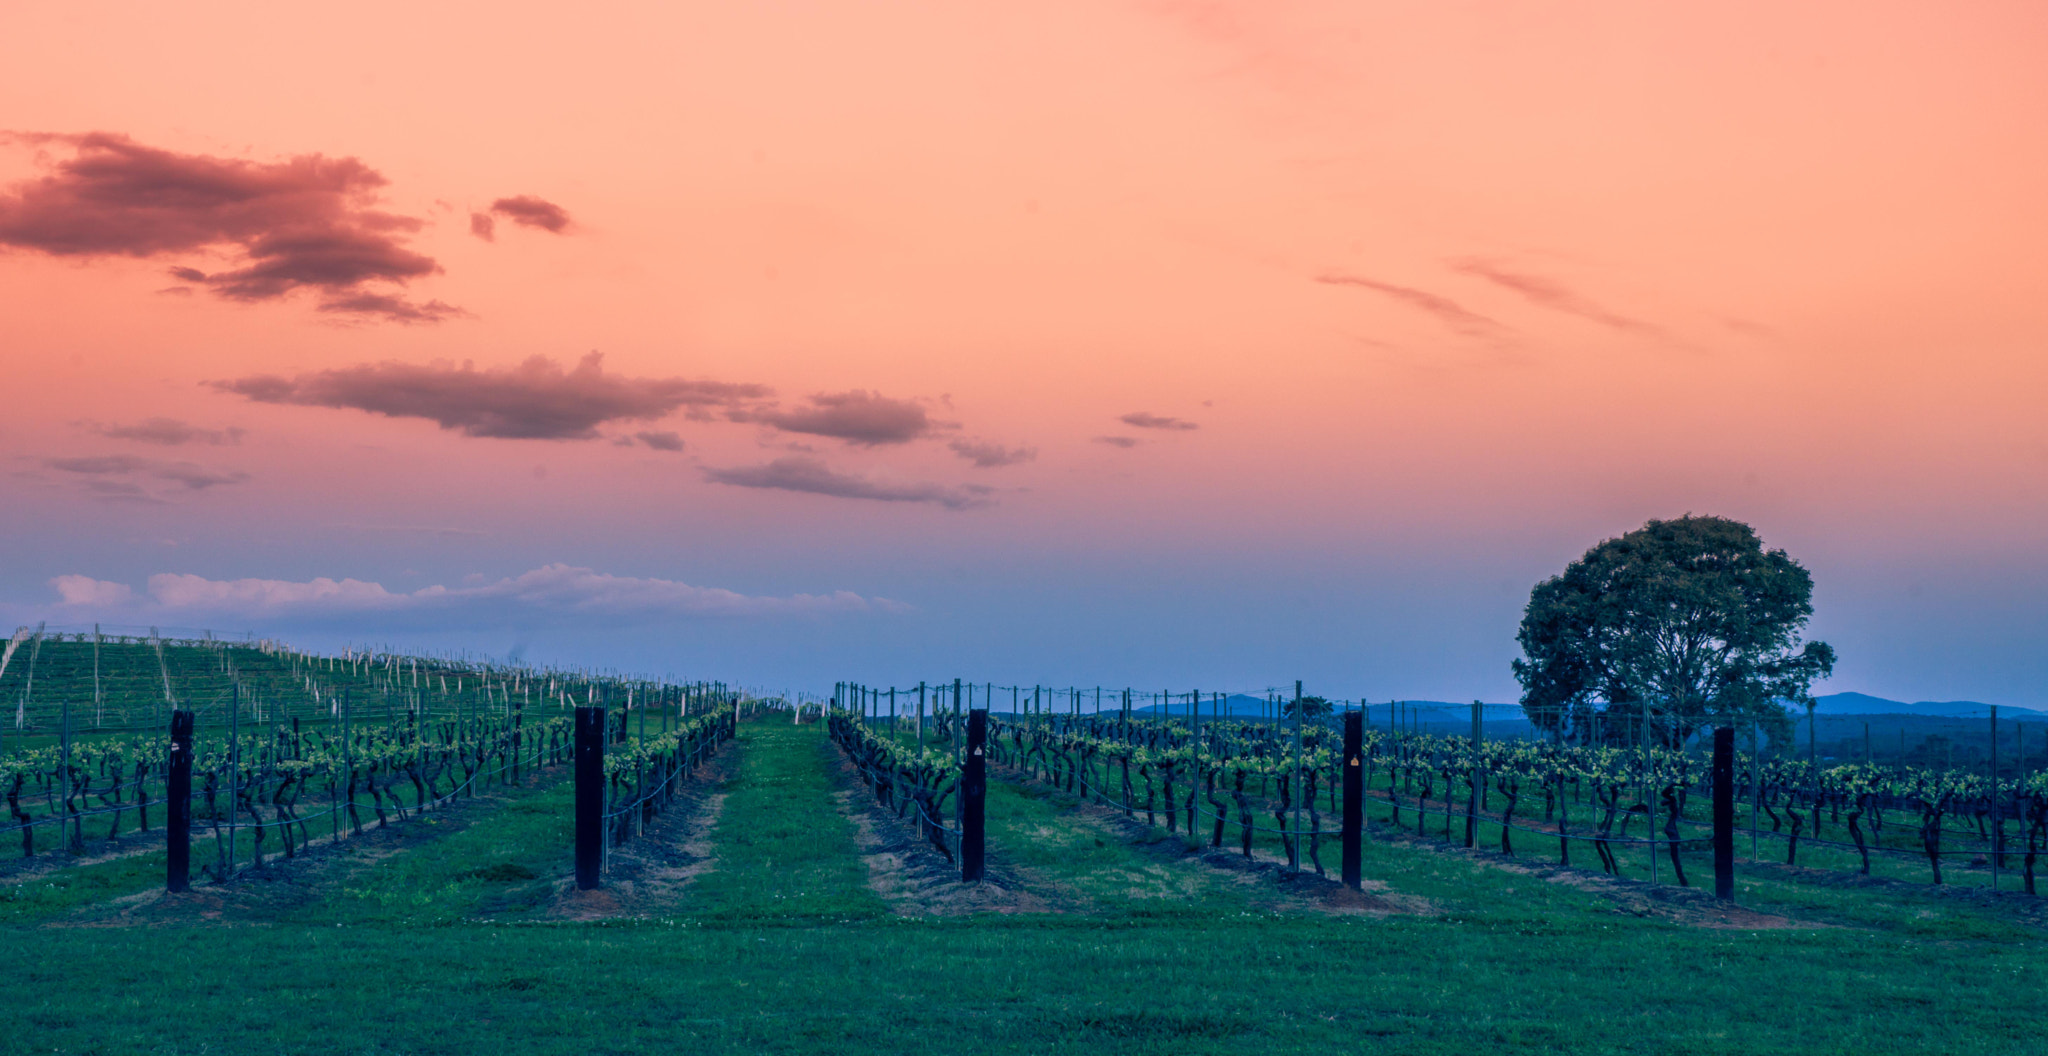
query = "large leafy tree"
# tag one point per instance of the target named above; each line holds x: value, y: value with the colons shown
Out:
x: 1675, y: 625
x: 1312, y: 709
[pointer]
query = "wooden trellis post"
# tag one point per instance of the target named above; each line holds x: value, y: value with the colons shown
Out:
x: 590, y: 735
x: 178, y: 805
x: 1724, y: 812
x: 974, y: 796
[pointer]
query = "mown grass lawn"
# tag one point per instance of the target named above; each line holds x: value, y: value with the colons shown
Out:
x: 786, y: 951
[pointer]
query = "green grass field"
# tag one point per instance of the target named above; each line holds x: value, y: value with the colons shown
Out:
x: 448, y: 940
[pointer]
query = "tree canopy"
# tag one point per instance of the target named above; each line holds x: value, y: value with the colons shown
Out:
x: 1311, y: 708
x: 1679, y: 623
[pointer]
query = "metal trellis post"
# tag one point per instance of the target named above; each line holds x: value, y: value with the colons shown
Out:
x: 1354, y: 799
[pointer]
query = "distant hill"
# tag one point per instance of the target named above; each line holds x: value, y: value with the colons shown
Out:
x: 1865, y: 704
x: 1450, y: 714
x: 1430, y: 716
x: 1234, y: 704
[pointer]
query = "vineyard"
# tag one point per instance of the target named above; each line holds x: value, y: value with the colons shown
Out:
x: 289, y: 749
x: 551, y: 860
x: 1637, y: 811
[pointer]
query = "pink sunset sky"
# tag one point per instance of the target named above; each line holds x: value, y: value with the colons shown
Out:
x: 1181, y: 344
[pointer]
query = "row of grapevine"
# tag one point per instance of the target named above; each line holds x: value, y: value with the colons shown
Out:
x: 269, y: 791
x: 296, y: 748
x: 916, y: 782
x: 1250, y: 782
x: 93, y: 682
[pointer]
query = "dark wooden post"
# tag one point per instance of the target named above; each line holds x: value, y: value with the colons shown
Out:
x: 590, y: 735
x: 178, y: 805
x: 1724, y: 811
x: 974, y: 796
x: 1354, y: 798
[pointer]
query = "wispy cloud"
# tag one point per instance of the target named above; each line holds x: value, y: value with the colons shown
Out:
x: 556, y: 593
x: 1549, y: 293
x: 1453, y: 314
x: 1118, y: 441
x: 986, y: 455
x: 417, y: 529
x: 1142, y: 420
x: 536, y: 400
x: 308, y: 222
x: 168, y: 432
x: 661, y: 441
x: 392, y: 308
x: 122, y: 476
x: 801, y: 473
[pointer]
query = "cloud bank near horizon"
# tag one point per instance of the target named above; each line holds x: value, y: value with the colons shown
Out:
x: 552, y: 594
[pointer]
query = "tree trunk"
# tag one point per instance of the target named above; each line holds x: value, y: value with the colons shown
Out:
x: 1216, y: 803
x: 1672, y: 808
x: 1512, y: 789
x: 1856, y: 833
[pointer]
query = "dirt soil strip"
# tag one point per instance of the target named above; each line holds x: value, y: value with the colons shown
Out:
x: 262, y: 896
x: 647, y: 875
x: 1287, y: 890
x: 50, y: 856
x: 911, y: 875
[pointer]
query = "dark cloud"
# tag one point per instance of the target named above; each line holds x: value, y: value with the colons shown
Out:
x: 536, y: 400
x: 391, y: 308
x: 798, y: 473
x: 528, y: 211
x: 306, y: 222
x: 335, y: 260
x: 482, y: 226
x: 191, y: 475
x: 169, y: 432
x: 661, y: 441
x: 1552, y: 294
x: 1142, y: 420
x: 1125, y: 442
x: 857, y: 417
x: 1451, y: 312
x: 989, y: 456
